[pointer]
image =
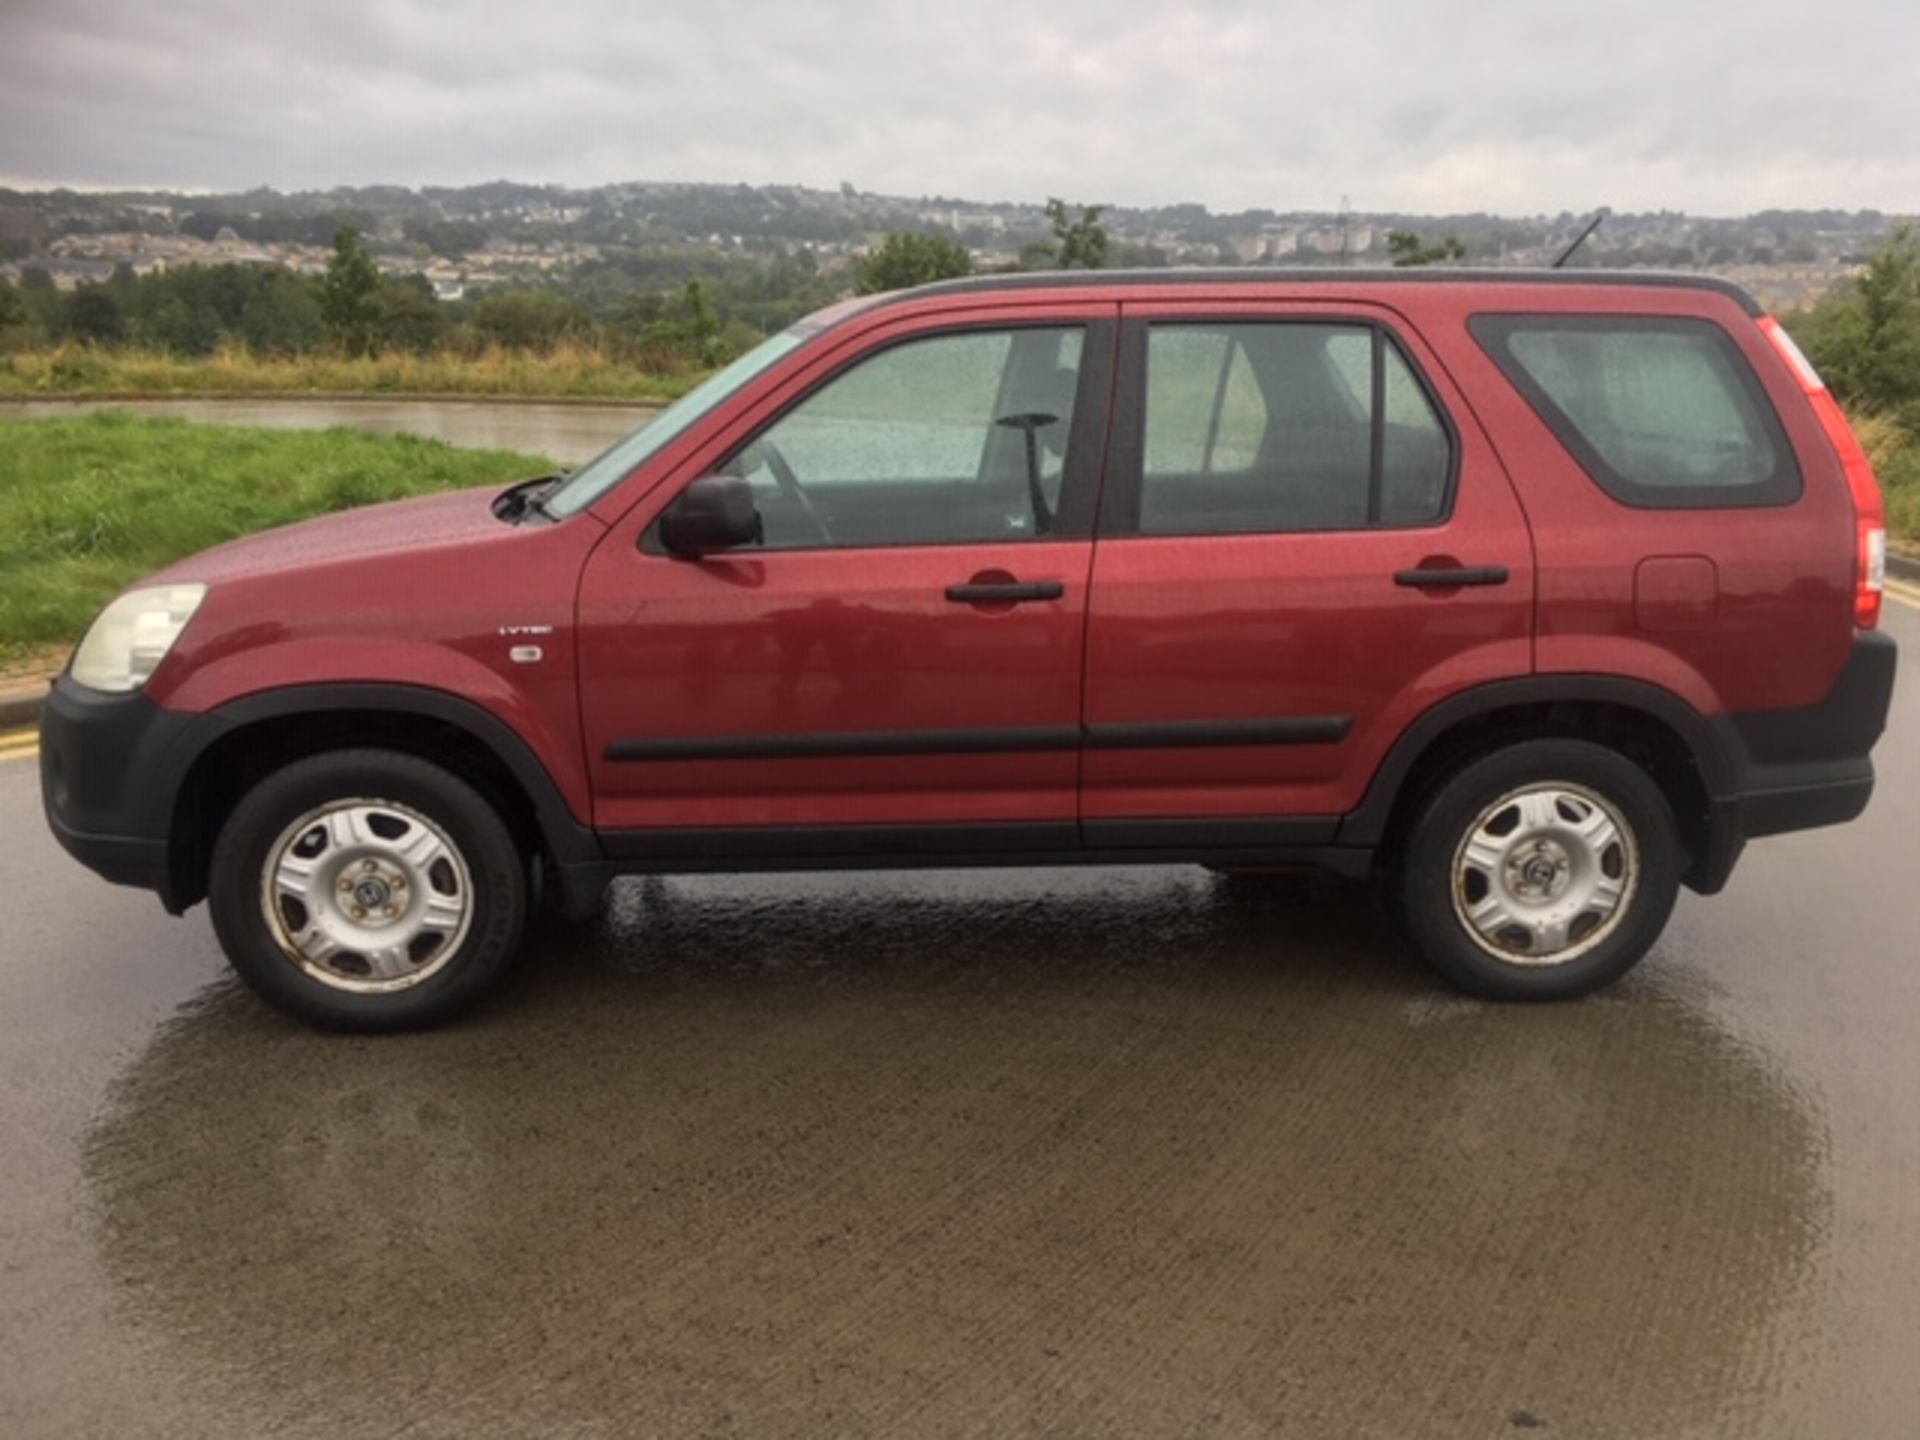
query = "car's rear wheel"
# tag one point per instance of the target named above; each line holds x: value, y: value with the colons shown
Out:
x: 367, y: 890
x: 1541, y: 871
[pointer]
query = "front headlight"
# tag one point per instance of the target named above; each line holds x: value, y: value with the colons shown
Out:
x: 133, y: 635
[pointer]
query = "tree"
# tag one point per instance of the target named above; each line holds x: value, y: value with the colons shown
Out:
x: 1865, y: 337
x: 446, y: 237
x: 166, y: 320
x: 201, y: 225
x: 675, y: 330
x: 350, y: 294
x: 409, y: 317
x: 13, y: 310
x: 44, y: 303
x: 1077, y: 244
x: 1407, y: 248
x: 91, y: 314
x: 280, y: 316
x: 699, y: 323
x: 1887, y: 372
x: 903, y: 260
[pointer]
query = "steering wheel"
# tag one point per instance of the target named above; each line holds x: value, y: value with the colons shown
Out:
x: 790, y: 486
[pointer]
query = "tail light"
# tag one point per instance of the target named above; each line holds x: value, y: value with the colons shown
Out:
x: 1870, y: 516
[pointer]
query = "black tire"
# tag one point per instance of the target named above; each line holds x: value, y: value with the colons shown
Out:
x: 494, y: 864
x: 1450, y: 811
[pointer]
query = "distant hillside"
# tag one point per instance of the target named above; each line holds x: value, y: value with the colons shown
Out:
x: 749, y: 221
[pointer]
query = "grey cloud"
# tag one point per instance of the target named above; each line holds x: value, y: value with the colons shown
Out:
x: 1509, y: 105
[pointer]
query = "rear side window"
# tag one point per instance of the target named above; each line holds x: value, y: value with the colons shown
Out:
x: 1662, y: 413
x: 1285, y: 426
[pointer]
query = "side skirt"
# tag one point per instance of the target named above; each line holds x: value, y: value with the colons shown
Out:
x: 1246, y: 842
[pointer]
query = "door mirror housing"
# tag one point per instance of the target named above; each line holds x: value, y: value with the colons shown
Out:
x: 715, y: 512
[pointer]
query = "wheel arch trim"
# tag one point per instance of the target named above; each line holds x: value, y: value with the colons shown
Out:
x: 1367, y: 823
x: 568, y: 840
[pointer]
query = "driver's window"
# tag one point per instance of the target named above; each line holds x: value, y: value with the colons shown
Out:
x: 950, y: 439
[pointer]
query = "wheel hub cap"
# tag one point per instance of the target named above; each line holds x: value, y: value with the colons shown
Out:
x: 1545, y: 873
x: 367, y: 895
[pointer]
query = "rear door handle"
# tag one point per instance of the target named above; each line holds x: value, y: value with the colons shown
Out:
x: 1010, y: 592
x: 1449, y: 577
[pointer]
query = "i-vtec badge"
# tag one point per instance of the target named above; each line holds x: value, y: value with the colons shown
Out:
x: 525, y: 654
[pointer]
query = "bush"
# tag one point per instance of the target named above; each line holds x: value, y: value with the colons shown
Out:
x: 904, y: 260
x: 528, y: 320
x: 1895, y: 456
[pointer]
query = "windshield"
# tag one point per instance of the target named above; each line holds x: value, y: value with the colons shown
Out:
x: 611, y: 466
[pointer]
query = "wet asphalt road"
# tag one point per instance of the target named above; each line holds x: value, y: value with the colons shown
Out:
x: 1064, y: 1153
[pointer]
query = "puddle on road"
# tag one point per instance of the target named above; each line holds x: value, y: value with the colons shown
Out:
x: 1063, y: 1153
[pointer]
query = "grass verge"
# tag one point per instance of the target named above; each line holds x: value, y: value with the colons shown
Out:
x: 89, y: 504
x: 567, y: 372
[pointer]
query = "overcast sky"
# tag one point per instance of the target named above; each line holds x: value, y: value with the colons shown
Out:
x: 1419, y: 105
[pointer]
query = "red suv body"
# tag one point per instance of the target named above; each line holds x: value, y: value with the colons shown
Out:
x: 1552, y: 591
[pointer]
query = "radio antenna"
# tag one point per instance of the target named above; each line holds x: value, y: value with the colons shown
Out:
x: 1581, y: 238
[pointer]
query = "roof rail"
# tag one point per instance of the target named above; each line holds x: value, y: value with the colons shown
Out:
x: 1328, y: 275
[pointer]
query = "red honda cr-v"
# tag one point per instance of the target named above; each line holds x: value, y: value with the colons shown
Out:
x: 1544, y: 593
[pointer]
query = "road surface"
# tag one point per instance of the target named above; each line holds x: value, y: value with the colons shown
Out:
x: 1059, y: 1153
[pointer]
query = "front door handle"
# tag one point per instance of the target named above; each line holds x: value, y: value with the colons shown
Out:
x: 1005, y: 592
x: 1449, y: 577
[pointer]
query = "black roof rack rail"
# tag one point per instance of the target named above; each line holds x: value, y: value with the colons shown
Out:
x: 1328, y: 275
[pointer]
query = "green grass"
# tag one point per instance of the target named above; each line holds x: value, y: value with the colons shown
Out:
x: 88, y: 505
x: 568, y: 371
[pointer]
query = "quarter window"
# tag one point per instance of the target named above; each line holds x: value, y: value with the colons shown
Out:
x: 1660, y: 412
x: 950, y: 439
x: 1286, y: 426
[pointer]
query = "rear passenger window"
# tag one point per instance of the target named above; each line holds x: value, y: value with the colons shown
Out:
x: 1660, y: 412
x: 1274, y: 427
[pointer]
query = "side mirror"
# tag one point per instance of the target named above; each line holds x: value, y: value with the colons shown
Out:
x: 715, y: 512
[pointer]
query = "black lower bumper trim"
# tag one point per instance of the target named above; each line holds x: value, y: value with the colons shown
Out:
x: 1801, y: 768
x: 1805, y: 807
x: 1844, y: 724
x: 121, y: 859
x: 99, y: 755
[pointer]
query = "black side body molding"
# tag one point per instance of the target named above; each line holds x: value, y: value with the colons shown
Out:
x: 1182, y: 734
x: 832, y: 744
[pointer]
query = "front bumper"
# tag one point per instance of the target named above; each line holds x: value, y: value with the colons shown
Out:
x: 108, y: 779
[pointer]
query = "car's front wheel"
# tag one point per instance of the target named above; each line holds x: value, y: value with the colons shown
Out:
x: 1541, y: 871
x: 367, y: 890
